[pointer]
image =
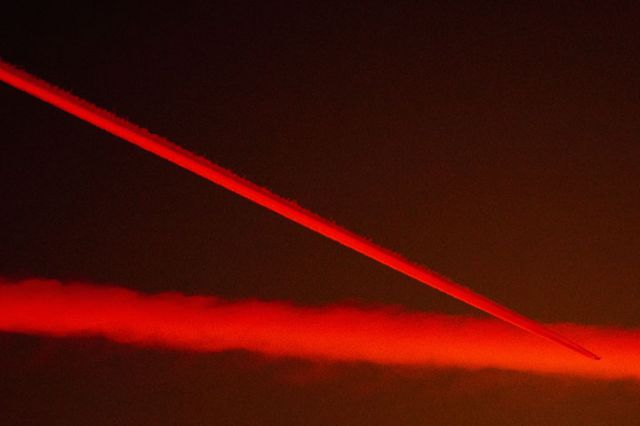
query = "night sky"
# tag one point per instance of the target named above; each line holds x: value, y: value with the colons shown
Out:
x: 497, y: 144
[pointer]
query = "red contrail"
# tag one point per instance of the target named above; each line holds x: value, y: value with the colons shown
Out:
x: 385, y: 336
x: 290, y: 210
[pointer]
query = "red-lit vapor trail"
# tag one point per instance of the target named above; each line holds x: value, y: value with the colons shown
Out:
x: 384, y: 336
x: 225, y: 178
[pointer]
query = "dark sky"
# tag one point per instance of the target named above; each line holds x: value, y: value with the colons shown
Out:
x: 497, y: 144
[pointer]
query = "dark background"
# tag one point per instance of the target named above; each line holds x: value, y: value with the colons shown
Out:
x: 496, y: 143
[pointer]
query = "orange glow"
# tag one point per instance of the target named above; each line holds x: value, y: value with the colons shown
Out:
x: 384, y: 336
x: 288, y: 209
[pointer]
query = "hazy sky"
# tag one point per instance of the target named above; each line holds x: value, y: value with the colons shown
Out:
x: 495, y: 144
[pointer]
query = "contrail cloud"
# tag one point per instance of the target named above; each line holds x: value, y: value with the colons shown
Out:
x: 286, y: 208
x: 340, y: 333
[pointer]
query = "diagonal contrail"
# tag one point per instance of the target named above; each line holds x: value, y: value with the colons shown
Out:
x: 162, y: 147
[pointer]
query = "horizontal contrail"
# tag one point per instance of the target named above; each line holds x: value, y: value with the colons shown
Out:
x: 377, y: 335
x: 288, y: 209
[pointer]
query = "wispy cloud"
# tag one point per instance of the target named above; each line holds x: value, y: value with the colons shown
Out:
x: 341, y: 333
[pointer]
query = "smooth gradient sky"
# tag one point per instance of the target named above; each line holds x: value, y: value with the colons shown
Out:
x: 496, y: 144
